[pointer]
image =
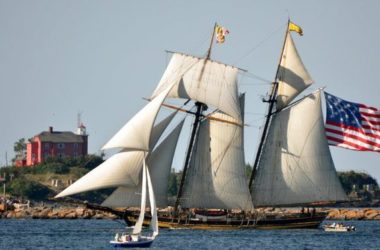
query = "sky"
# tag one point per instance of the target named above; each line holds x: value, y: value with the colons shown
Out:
x: 100, y: 58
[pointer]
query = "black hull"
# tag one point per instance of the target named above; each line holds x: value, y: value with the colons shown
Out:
x: 284, y: 222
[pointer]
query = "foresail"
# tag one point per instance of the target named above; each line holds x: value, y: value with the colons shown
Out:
x: 121, y: 169
x: 159, y: 128
x: 159, y: 164
x: 292, y: 76
x: 202, y: 80
x: 216, y: 177
x: 296, y: 165
x: 136, y: 134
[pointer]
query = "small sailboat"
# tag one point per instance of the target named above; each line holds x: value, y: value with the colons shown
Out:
x: 136, y: 239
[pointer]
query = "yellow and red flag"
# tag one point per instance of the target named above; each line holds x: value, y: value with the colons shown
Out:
x: 294, y: 27
x: 220, y: 33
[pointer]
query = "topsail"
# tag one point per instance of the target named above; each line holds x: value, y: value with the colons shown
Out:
x: 292, y: 76
x: 202, y: 80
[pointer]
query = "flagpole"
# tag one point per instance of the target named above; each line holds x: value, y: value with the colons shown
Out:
x: 211, y: 43
x: 272, y: 100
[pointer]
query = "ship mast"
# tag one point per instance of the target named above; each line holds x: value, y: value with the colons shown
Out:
x: 194, y: 133
x: 271, y: 101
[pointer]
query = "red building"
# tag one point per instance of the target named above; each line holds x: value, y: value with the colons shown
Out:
x: 56, y: 144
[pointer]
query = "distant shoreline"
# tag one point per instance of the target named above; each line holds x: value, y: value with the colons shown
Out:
x: 81, y: 212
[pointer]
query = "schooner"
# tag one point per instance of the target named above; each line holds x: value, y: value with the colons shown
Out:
x: 293, y: 165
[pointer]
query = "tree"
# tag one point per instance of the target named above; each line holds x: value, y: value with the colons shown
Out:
x: 248, y: 171
x: 19, y: 148
x: 350, y: 178
x: 173, y: 184
x: 29, y: 189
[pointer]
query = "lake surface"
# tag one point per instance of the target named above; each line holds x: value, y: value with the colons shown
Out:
x: 96, y: 234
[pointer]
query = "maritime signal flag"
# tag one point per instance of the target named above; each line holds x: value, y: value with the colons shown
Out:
x: 221, y: 33
x: 352, y: 125
x: 294, y: 27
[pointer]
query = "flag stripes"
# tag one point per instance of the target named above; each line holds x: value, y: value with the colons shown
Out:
x: 352, y: 125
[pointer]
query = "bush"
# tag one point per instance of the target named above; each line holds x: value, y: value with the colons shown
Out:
x: 29, y: 189
x: 355, y: 178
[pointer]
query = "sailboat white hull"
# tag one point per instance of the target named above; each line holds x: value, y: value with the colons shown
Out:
x: 141, y: 242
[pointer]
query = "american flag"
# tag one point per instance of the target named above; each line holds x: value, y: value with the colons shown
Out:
x: 352, y: 125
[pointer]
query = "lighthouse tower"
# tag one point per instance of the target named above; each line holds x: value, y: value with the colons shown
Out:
x: 81, y: 130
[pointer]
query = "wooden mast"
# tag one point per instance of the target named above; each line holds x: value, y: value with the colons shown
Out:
x: 272, y: 101
x: 198, y: 115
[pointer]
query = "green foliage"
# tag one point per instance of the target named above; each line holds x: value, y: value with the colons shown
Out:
x: 77, y: 167
x: 350, y: 178
x: 29, y: 189
x: 248, y: 171
x: 78, y: 172
x: 19, y: 148
x: 92, y: 161
x: 97, y: 196
x: 173, y: 184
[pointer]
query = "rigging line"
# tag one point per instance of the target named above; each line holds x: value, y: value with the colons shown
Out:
x: 254, y: 76
x: 254, y: 84
x: 259, y: 44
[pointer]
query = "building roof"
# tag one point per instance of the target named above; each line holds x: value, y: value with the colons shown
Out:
x: 60, y: 136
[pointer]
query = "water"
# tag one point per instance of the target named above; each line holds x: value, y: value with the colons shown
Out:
x: 96, y: 234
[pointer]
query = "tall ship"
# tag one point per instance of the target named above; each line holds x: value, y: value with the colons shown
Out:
x: 293, y: 166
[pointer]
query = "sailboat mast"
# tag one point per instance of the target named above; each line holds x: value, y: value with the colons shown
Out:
x: 272, y: 100
x: 211, y: 43
x: 200, y: 107
x: 198, y: 114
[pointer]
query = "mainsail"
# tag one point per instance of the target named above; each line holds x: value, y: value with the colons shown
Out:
x: 296, y: 165
x: 216, y: 177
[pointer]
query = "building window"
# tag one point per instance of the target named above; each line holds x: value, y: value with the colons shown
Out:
x: 75, y: 145
x: 61, y: 145
x: 61, y: 155
x: 47, y: 145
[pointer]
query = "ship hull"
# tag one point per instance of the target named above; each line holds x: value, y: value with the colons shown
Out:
x: 285, y: 222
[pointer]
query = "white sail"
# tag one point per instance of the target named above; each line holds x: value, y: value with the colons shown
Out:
x: 121, y: 169
x: 153, y: 207
x: 292, y: 76
x: 136, y: 134
x: 216, y: 176
x: 138, y: 226
x: 159, y: 128
x: 159, y: 164
x: 296, y: 165
x: 202, y: 80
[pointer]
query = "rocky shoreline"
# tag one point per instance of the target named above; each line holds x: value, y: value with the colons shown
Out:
x: 56, y: 213
x: 81, y: 212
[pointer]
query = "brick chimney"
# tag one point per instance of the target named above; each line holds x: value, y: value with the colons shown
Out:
x: 51, y: 129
